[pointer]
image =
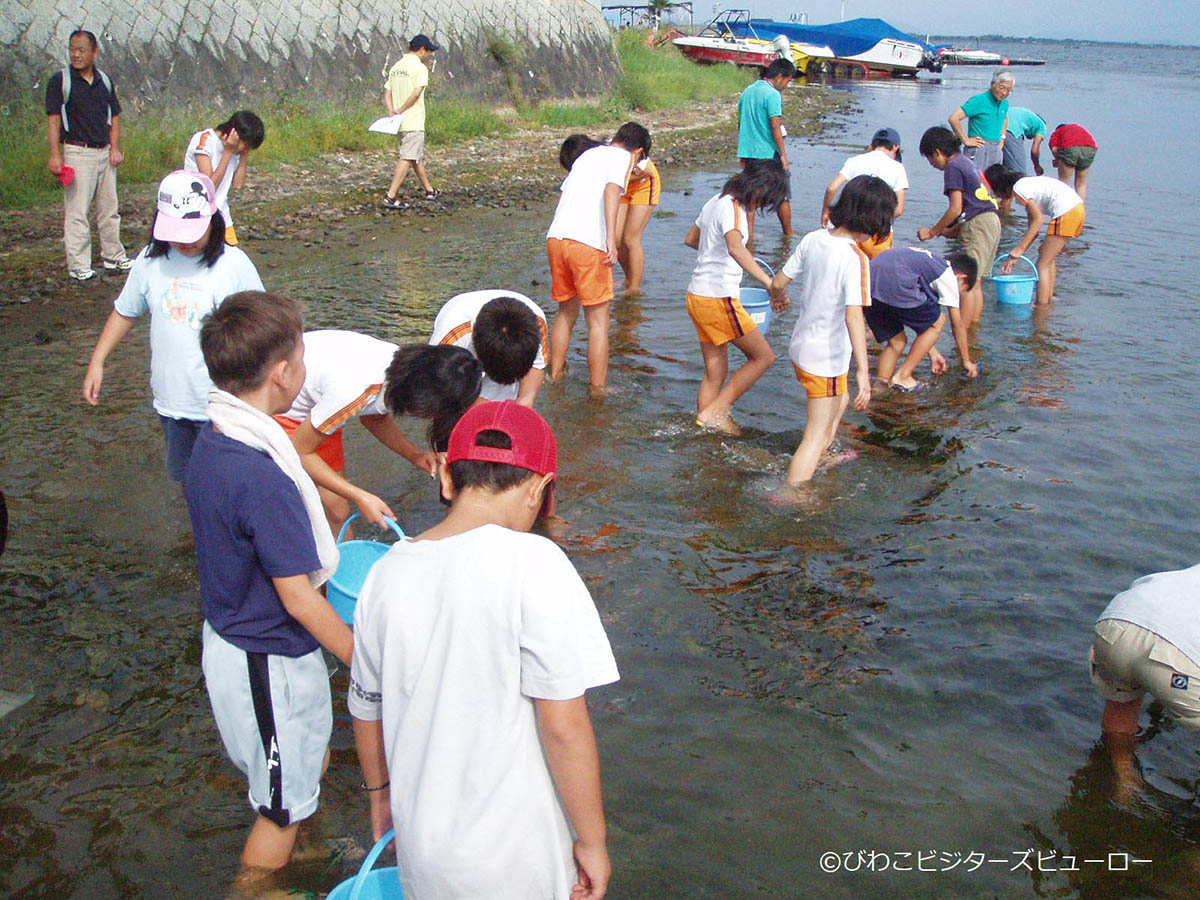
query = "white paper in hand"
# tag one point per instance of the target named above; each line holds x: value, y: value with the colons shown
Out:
x: 386, y: 125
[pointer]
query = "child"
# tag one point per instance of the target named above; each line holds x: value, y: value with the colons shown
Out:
x: 1043, y: 198
x: 349, y: 375
x: 883, y: 159
x: 574, y: 146
x: 719, y: 235
x: 1074, y: 151
x: 507, y: 333
x: 468, y: 704
x: 633, y: 215
x: 262, y: 549
x: 581, y: 246
x: 179, y: 278
x: 968, y: 200
x: 223, y: 154
x: 910, y: 287
x: 835, y: 287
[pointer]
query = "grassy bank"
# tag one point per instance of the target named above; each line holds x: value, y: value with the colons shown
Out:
x: 153, y: 141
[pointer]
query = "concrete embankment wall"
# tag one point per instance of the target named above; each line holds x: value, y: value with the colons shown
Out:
x: 220, y: 52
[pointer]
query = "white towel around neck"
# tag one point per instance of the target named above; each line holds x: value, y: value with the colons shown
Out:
x: 239, y: 420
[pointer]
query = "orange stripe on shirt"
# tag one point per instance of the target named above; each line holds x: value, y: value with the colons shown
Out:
x: 864, y: 265
x: 455, y: 334
x: 545, y: 338
x: 350, y: 410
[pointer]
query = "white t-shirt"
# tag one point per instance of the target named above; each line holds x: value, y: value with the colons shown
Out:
x: 1052, y: 196
x: 1164, y: 603
x: 456, y: 320
x: 580, y: 213
x: 833, y: 273
x: 208, y: 143
x: 946, y: 287
x: 876, y: 162
x: 454, y: 639
x: 179, y: 291
x: 717, y: 274
x: 343, y: 379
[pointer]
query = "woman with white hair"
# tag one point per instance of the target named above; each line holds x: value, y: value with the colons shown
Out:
x: 986, y: 115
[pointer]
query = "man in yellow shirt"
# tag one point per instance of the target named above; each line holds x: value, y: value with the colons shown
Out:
x: 404, y: 96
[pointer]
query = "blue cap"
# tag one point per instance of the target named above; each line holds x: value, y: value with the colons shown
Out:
x: 422, y: 42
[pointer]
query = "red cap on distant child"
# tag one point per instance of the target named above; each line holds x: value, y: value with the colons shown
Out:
x: 66, y: 175
x: 533, y: 444
x: 185, y: 207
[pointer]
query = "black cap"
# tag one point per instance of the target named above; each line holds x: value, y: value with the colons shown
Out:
x: 422, y: 42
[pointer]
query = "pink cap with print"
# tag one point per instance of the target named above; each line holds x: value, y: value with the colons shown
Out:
x: 185, y: 207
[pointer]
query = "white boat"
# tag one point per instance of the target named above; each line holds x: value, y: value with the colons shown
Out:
x: 730, y: 38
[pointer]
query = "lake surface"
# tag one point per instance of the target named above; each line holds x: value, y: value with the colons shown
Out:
x: 897, y: 667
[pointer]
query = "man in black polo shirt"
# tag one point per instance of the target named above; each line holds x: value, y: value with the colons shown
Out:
x: 88, y: 126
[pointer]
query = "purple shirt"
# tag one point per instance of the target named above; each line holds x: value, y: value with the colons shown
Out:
x: 960, y: 174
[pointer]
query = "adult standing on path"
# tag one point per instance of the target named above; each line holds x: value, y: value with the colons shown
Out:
x: 760, y: 130
x: 85, y: 133
x: 987, y: 120
x: 404, y: 96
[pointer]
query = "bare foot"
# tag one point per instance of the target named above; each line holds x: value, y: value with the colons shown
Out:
x: 557, y: 379
x: 791, y: 494
x: 599, y: 391
x: 723, y: 424
x: 837, y: 458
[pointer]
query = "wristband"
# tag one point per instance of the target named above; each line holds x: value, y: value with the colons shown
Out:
x: 363, y: 785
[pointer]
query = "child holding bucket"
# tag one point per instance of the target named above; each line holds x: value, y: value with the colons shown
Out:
x: 262, y: 550
x: 719, y: 236
x: 474, y: 646
x: 1043, y: 198
x: 835, y: 287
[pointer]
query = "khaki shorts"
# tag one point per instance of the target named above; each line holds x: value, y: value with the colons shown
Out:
x: 1127, y: 661
x: 412, y: 145
x: 980, y: 238
x: 1076, y: 157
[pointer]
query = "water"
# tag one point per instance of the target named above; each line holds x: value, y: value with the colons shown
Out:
x: 898, y: 666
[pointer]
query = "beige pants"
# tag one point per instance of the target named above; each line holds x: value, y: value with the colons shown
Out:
x: 94, y: 189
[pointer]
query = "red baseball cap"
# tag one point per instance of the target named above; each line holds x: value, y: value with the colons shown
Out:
x: 66, y: 175
x: 533, y: 444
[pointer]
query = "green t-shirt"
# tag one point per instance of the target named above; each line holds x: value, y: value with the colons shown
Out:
x: 985, y: 116
x: 757, y: 105
x: 1025, y: 123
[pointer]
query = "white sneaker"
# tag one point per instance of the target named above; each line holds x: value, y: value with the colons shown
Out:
x: 124, y: 264
x: 83, y: 274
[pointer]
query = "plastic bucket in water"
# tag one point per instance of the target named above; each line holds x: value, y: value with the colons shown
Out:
x: 1017, y: 288
x: 357, y: 557
x: 757, y: 302
x: 369, y: 883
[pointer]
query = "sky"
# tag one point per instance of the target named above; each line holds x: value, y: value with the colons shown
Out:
x: 1164, y: 21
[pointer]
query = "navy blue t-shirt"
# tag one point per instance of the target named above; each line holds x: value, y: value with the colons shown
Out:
x: 960, y: 174
x: 250, y: 526
x: 903, y: 277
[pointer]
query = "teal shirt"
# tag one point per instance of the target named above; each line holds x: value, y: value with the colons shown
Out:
x: 1025, y: 123
x: 985, y: 117
x: 756, y: 106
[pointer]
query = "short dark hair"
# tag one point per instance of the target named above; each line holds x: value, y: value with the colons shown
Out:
x: 633, y: 136
x: 867, y: 205
x: 249, y: 128
x: 494, y: 477
x: 573, y: 147
x: 87, y: 34
x: 964, y: 265
x: 760, y: 187
x: 941, y: 139
x: 779, y: 67
x: 506, y: 337
x: 1001, y: 180
x: 884, y: 143
x: 432, y: 381
x: 247, y: 334
x: 213, y: 248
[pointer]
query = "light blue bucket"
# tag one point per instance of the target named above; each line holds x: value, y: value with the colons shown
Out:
x: 357, y: 557
x: 757, y: 302
x: 1015, y: 289
x: 369, y: 883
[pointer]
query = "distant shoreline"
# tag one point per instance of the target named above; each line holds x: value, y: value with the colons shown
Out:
x: 1080, y: 42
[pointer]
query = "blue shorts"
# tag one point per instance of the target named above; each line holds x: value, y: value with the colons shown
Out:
x: 180, y: 435
x: 888, y: 321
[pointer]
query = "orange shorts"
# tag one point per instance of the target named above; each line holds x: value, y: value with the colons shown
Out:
x: 577, y: 270
x: 718, y: 320
x: 645, y: 188
x: 820, y: 387
x: 873, y: 248
x: 1069, y: 224
x: 332, y: 450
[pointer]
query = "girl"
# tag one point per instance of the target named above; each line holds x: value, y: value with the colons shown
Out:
x: 223, y: 154
x: 835, y: 286
x: 1043, y: 198
x: 181, y: 276
x: 719, y: 235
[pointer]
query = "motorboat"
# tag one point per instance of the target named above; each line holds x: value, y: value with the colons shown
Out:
x: 856, y: 48
x: 961, y: 56
x: 731, y: 38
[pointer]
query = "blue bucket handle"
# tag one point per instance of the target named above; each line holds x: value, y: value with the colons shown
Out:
x: 762, y: 262
x: 369, y: 863
x: 1006, y: 256
x: 391, y: 524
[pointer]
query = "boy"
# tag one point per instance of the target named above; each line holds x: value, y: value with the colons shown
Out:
x: 468, y: 704
x: 761, y: 131
x: 883, y: 160
x: 581, y: 246
x: 910, y: 287
x: 256, y: 551
x: 506, y: 332
x: 404, y: 96
x: 223, y: 154
x: 345, y: 378
x: 968, y: 199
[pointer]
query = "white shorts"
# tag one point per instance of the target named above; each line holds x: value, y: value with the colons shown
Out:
x: 275, y: 716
